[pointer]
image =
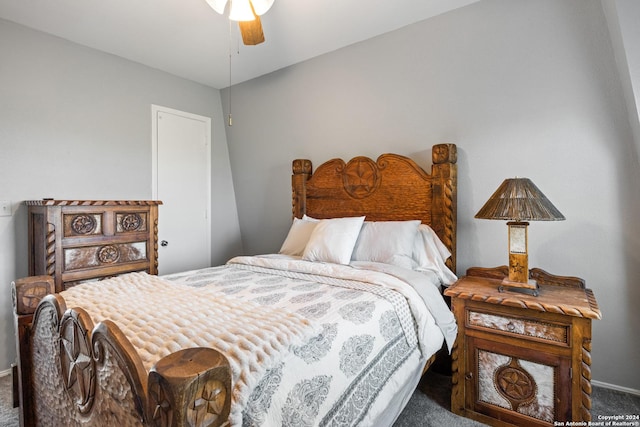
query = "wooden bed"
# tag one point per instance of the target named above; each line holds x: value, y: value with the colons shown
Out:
x: 102, y: 373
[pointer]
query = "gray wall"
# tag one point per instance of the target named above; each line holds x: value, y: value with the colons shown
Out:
x: 525, y: 88
x: 75, y: 123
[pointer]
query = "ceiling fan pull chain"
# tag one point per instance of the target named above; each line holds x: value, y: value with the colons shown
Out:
x: 230, y: 42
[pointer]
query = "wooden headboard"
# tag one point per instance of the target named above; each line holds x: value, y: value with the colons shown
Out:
x: 391, y: 188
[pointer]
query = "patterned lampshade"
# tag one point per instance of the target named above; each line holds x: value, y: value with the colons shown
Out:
x: 518, y: 199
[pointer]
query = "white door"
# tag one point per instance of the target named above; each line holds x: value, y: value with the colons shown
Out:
x: 182, y: 181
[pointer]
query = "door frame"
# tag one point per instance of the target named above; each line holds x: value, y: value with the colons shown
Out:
x: 155, y: 109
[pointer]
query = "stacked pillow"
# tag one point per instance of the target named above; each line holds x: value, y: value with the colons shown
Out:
x: 298, y: 237
x: 407, y: 244
x: 390, y: 242
x: 333, y: 240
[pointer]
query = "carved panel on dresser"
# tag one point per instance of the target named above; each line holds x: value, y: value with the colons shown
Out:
x: 82, y: 224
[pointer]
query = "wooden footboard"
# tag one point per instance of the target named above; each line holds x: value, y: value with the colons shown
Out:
x: 74, y: 373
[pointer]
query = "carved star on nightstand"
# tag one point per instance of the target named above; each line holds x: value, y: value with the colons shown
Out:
x: 514, y: 384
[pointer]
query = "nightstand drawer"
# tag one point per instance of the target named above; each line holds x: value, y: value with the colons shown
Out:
x: 526, y: 327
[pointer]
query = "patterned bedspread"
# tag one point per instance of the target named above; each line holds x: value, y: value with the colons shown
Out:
x: 365, y: 332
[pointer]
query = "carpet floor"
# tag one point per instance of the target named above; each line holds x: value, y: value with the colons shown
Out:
x: 429, y: 405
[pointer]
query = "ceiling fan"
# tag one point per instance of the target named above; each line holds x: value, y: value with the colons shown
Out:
x: 247, y: 13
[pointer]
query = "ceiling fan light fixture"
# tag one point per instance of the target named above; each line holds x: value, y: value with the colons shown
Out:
x: 260, y: 7
x: 241, y: 11
x: 217, y: 5
x: 247, y: 14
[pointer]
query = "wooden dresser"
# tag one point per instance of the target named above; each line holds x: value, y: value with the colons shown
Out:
x: 521, y: 359
x: 81, y: 240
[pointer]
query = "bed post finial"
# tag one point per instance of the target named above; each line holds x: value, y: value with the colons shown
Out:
x: 28, y: 291
x: 191, y: 387
x: 444, y: 153
x: 301, y: 169
x: 444, y: 209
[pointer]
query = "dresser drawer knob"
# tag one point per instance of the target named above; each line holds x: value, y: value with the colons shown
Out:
x: 164, y: 243
x: 511, y: 327
x: 469, y: 376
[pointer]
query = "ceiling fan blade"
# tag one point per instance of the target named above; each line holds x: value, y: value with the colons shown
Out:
x: 251, y: 32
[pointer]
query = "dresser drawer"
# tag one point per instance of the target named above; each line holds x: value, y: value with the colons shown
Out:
x: 98, y: 222
x: 104, y: 255
x: 129, y: 222
x: 82, y: 224
x: 520, y: 326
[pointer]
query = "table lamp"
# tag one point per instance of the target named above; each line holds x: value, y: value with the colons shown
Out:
x: 518, y: 200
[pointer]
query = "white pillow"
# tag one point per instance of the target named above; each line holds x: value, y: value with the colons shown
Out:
x: 298, y: 236
x: 390, y: 242
x: 430, y: 254
x: 332, y: 240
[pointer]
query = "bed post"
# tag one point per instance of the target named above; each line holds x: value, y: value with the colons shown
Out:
x: 301, y: 169
x: 26, y: 294
x: 444, y: 209
x: 191, y: 387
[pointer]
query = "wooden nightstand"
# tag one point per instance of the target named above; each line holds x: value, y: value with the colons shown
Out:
x: 521, y: 359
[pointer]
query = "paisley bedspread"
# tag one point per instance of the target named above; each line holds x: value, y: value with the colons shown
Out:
x: 351, y: 341
x: 373, y: 332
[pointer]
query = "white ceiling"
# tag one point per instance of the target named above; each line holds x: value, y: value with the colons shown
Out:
x: 189, y: 39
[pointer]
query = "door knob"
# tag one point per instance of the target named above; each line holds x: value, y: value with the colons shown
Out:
x: 164, y: 243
